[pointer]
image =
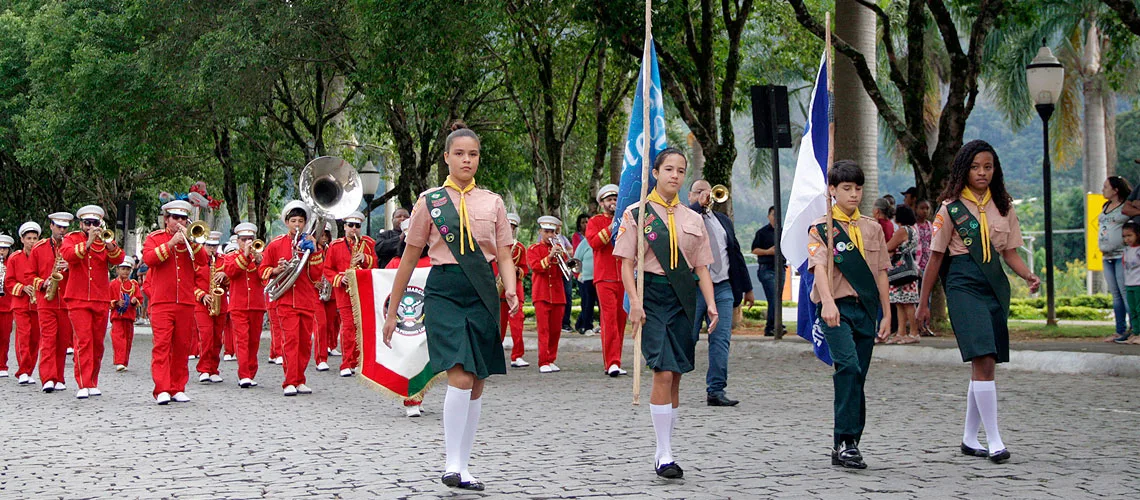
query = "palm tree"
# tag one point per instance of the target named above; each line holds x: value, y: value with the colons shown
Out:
x: 856, y: 118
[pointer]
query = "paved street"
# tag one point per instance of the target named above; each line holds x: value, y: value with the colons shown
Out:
x: 571, y: 434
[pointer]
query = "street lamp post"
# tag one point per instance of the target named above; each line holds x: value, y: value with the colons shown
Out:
x: 370, y: 181
x: 1045, y: 77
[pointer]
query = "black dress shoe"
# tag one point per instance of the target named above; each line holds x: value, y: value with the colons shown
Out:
x: 999, y: 456
x: 848, y: 456
x: 471, y: 485
x: 670, y: 471
x: 451, y: 479
x: 721, y: 400
x: 974, y: 452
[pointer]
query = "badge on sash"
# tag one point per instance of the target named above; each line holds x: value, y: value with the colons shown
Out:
x: 435, y: 213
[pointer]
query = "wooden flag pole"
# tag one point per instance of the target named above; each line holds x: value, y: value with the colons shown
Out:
x: 830, y: 142
x: 647, y: 127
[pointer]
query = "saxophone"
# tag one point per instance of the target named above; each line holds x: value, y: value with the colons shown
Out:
x: 56, y: 277
x: 218, y: 292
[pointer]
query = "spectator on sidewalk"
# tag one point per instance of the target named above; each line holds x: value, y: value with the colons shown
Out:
x: 1111, y: 243
x: 585, y: 254
x: 764, y: 248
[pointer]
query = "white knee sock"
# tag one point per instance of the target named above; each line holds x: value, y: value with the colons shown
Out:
x: 473, y: 411
x: 455, y: 408
x: 663, y: 425
x: 973, y: 420
x: 673, y: 422
x: 985, y: 394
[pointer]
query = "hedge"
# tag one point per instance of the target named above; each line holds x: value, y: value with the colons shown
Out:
x: 1098, y: 301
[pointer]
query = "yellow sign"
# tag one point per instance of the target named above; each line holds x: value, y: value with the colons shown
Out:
x: 1093, y: 205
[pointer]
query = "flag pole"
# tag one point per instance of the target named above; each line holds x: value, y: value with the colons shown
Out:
x: 646, y: 129
x: 830, y: 142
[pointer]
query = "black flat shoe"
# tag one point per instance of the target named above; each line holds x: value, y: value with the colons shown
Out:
x: 451, y: 479
x: 721, y: 400
x: 848, y: 457
x: 999, y: 457
x: 974, y: 452
x: 471, y: 485
x: 670, y: 471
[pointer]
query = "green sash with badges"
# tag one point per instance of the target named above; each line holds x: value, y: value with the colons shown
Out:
x: 474, y: 265
x: 681, y: 278
x: 969, y: 230
x: 854, y: 267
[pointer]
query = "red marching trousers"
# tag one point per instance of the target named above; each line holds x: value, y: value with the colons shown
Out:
x: 275, y: 338
x: 89, y: 318
x: 228, y: 336
x: 246, y: 331
x: 549, y: 319
x: 122, y: 338
x: 174, y: 334
x: 318, y: 337
x: 27, y: 341
x: 55, y: 330
x: 5, y: 337
x: 209, y: 340
x: 610, y: 295
x: 348, y: 350
x: 297, y: 330
x: 516, y: 323
x: 332, y: 327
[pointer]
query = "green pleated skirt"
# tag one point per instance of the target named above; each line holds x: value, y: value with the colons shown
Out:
x: 980, y: 322
x: 667, y: 337
x: 460, y: 328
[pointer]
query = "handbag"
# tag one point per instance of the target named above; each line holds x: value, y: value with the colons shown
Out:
x: 904, y: 270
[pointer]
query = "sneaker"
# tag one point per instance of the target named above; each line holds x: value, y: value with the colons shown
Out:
x: 23, y: 379
x: 566, y: 330
x: 598, y: 331
x: 588, y: 332
x: 614, y: 370
x: 322, y: 367
x: 81, y: 394
x: 191, y: 357
x: 413, y: 411
x: 545, y: 369
x: 245, y: 383
x: 290, y: 390
x: 181, y: 397
x: 304, y: 389
x: 229, y: 357
x: 70, y: 351
x: 203, y: 378
x: 3, y: 373
x: 59, y: 386
x: 162, y: 398
x: 252, y: 383
x: 334, y: 352
x: 347, y: 372
x: 94, y: 391
x: 279, y: 360
x: 519, y: 363
x: 554, y: 367
x: 120, y: 368
x: 216, y: 378
x: 1122, y: 338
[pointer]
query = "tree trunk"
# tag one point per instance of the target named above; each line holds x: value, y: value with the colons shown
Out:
x: 223, y: 153
x: 1096, y: 169
x: 617, y: 151
x: 1109, y: 131
x: 856, y: 118
x: 698, y: 157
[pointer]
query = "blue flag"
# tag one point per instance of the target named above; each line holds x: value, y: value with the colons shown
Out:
x: 629, y: 187
x: 808, y: 202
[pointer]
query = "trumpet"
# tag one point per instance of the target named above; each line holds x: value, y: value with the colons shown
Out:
x: 568, y: 266
x: 198, y: 232
x: 257, y: 246
x: 107, y: 235
x: 719, y: 194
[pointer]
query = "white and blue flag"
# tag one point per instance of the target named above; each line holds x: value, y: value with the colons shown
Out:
x: 808, y: 202
x: 629, y: 186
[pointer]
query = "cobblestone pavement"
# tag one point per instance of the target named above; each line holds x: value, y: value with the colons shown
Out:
x: 570, y: 434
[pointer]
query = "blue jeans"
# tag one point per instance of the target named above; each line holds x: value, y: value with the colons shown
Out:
x: 719, y: 337
x: 568, y: 286
x: 767, y: 277
x: 586, y: 317
x: 1114, y: 275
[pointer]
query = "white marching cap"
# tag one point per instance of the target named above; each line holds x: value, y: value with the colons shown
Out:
x: 514, y: 218
x: 215, y: 238
x: 230, y: 248
x: 549, y: 222
x: 29, y: 226
x: 295, y: 204
x: 356, y: 216
x: 128, y: 261
x: 177, y: 207
x: 6, y: 241
x: 61, y: 219
x: 90, y: 212
x: 607, y: 190
x: 245, y: 229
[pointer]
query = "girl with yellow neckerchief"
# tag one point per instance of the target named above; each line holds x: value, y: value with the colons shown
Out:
x: 464, y: 228
x: 976, y: 226
x: 676, y: 264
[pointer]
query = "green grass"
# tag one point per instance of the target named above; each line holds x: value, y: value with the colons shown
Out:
x: 1021, y: 330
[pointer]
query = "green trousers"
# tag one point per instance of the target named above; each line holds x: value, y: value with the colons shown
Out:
x: 1132, y: 294
x: 850, y: 344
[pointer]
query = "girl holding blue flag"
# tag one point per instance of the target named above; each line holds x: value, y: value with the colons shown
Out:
x: 976, y: 225
x: 465, y: 229
x: 676, y: 265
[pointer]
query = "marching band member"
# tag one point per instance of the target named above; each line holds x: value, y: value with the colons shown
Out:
x: 297, y: 306
x: 6, y: 243
x: 851, y: 300
x: 87, y: 294
x: 464, y: 228
x: 323, y: 320
x: 547, y: 291
x: 228, y: 332
x: 247, y: 302
x: 678, y: 249
x: 518, y: 256
x: 55, y: 326
x: 172, y: 259
x: 976, y: 225
x: 607, y: 280
x: 358, y: 252
x: 208, y: 277
x: 18, y: 285
x: 126, y: 295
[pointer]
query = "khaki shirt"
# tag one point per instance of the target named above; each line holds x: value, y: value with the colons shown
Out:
x: 874, y: 246
x: 692, y: 239
x: 1005, y: 231
x: 488, y: 225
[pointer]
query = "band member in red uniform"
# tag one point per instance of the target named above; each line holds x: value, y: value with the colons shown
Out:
x: 607, y: 280
x: 88, y: 291
x: 515, y: 321
x: 352, y: 251
x: 172, y: 259
x: 208, y: 278
x: 326, y: 313
x: 247, y: 303
x: 297, y: 305
x: 126, y: 296
x: 18, y: 286
x: 547, y: 291
x: 6, y: 243
x: 50, y: 278
x: 228, y: 332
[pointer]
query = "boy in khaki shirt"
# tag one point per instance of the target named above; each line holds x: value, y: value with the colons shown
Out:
x: 850, y: 301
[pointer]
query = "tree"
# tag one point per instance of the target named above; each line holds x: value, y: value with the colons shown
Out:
x: 856, y: 120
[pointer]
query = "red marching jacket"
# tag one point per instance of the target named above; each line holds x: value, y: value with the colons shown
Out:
x: 546, y: 277
x: 88, y: 276
x: 43, y: 264
x: 131, y: 290
x: 18, y: 283
x: 303, y: 294
x: 606, y: 266
x: 247, y: 289
x: 170, y: 277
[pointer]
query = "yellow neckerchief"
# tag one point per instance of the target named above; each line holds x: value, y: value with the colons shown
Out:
x: 969, y: 195
x: 852, y: 228
x: 464, y: 223
x: 656, y: 198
